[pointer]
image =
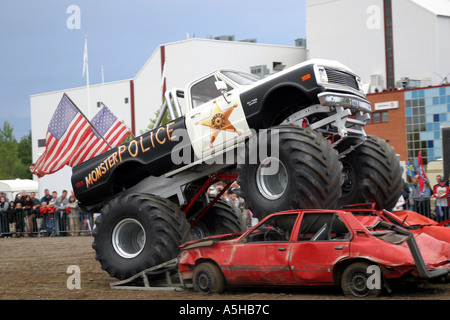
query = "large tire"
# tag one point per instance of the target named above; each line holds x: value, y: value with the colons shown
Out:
x: 372, y: 174
x: 135, y: 232
x: 220, y: 219
x: 309, y: 173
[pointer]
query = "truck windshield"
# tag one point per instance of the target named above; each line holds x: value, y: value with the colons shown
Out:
x: 241, y: 77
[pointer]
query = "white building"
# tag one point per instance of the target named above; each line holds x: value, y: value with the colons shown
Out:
x: 407, y: 40
x: 135, y: 101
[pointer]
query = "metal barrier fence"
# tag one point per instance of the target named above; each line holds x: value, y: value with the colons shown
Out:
x: 60, y: 224
x: 427, y: 207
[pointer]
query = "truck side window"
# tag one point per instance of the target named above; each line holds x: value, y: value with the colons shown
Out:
x: 204, y: 91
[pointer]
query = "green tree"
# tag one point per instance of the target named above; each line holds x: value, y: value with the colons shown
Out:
x: 151, y: 126
x: 15, y: 157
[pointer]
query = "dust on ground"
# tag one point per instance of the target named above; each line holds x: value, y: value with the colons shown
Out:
x: 37, y: 269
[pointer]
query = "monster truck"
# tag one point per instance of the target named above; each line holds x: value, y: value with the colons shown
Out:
x: 294, y: 139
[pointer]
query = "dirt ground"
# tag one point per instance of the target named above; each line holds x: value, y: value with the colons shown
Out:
x: 37, y: 269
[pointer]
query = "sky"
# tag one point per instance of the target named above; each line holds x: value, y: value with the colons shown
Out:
x: 42, y: 42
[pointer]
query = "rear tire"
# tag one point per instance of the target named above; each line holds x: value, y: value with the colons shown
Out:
x: 308, y: 176
x: 135, y: 232
x: 354, y: 281
x: 372, y: 174
x: 220, y: 219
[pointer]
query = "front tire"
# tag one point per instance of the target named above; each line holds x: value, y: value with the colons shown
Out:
x: 208, y: 278
x: 308, y: 175
x: 135, y: 232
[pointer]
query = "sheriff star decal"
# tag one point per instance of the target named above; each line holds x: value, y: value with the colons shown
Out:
x: 218, y: 122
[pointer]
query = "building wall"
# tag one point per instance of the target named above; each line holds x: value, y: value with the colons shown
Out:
x: 416, y: 125
x: 352, y: 32
x: 392, y: 128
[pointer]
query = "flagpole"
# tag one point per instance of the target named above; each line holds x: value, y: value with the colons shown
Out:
x: 88, y: 121
x: 103, y: 87
x: 86, y: 68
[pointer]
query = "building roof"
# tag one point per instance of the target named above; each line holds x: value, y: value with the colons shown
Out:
x: 437, y: 7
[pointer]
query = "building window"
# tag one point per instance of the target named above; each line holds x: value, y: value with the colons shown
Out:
x: 425, y: 116
x: 259, y: 71
x: 380, y: 117
x: 42, y: 143
x: 126, y: 100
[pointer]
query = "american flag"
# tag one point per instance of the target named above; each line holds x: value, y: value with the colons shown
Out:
x: 112, y: 129
x: 71, y: 140
x: 423, y: 179
x: 66, y: 132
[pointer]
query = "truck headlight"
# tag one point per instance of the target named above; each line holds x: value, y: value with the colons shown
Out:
x: 322, y: 74
x: 360, y: 84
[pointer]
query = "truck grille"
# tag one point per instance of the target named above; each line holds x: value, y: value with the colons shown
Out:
x: 341, y: 78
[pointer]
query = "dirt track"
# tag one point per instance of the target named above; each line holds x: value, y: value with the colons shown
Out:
x: 36, y: 268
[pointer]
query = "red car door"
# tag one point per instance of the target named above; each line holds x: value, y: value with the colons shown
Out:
x: 262, y: 257
x: 322, y: 241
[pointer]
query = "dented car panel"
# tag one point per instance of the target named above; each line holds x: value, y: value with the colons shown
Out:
x: 311, y: 247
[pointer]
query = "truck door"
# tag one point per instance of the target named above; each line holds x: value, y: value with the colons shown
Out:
x: 214, y: 121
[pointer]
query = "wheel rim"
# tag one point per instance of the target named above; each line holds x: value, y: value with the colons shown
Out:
x: 348, y: 175
x: 204, y: 282
x: 271, y: 185
x: 199, y: 231
x: 358, y: 284
x: 128, y: 238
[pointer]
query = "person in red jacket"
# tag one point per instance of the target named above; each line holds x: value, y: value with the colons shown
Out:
x: 441, y: 192
x: 48, y: 211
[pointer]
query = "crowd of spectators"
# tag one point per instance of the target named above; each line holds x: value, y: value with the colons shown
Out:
x: 52, y: 215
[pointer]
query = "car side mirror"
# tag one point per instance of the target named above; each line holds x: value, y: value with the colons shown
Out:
x: 222, y: 87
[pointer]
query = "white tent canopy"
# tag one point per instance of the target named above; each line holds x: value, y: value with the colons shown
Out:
x: 12, y: 187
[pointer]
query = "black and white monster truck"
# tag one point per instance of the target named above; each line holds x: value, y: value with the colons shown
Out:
x: 294, y: 139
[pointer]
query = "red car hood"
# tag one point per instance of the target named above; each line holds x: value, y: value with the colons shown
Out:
x: 209, y: 240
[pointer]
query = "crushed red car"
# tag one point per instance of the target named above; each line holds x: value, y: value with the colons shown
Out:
x: 409, y: 220
x: 313, y: 247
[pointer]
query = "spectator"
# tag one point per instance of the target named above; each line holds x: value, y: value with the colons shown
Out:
x: 422, y: 201
x: 4, y: 226
x: 399, y: 205
x: 54, y: 197
x: 74, y: 215
x: 2, y: 194
x: 18, y: 218
x: 61, y: 213
x: 28, y: 215
x: 48, y: 212
x: 47, y: 197
x: 239, y: 204
x: 441, y: 192
x: 11, y: 218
